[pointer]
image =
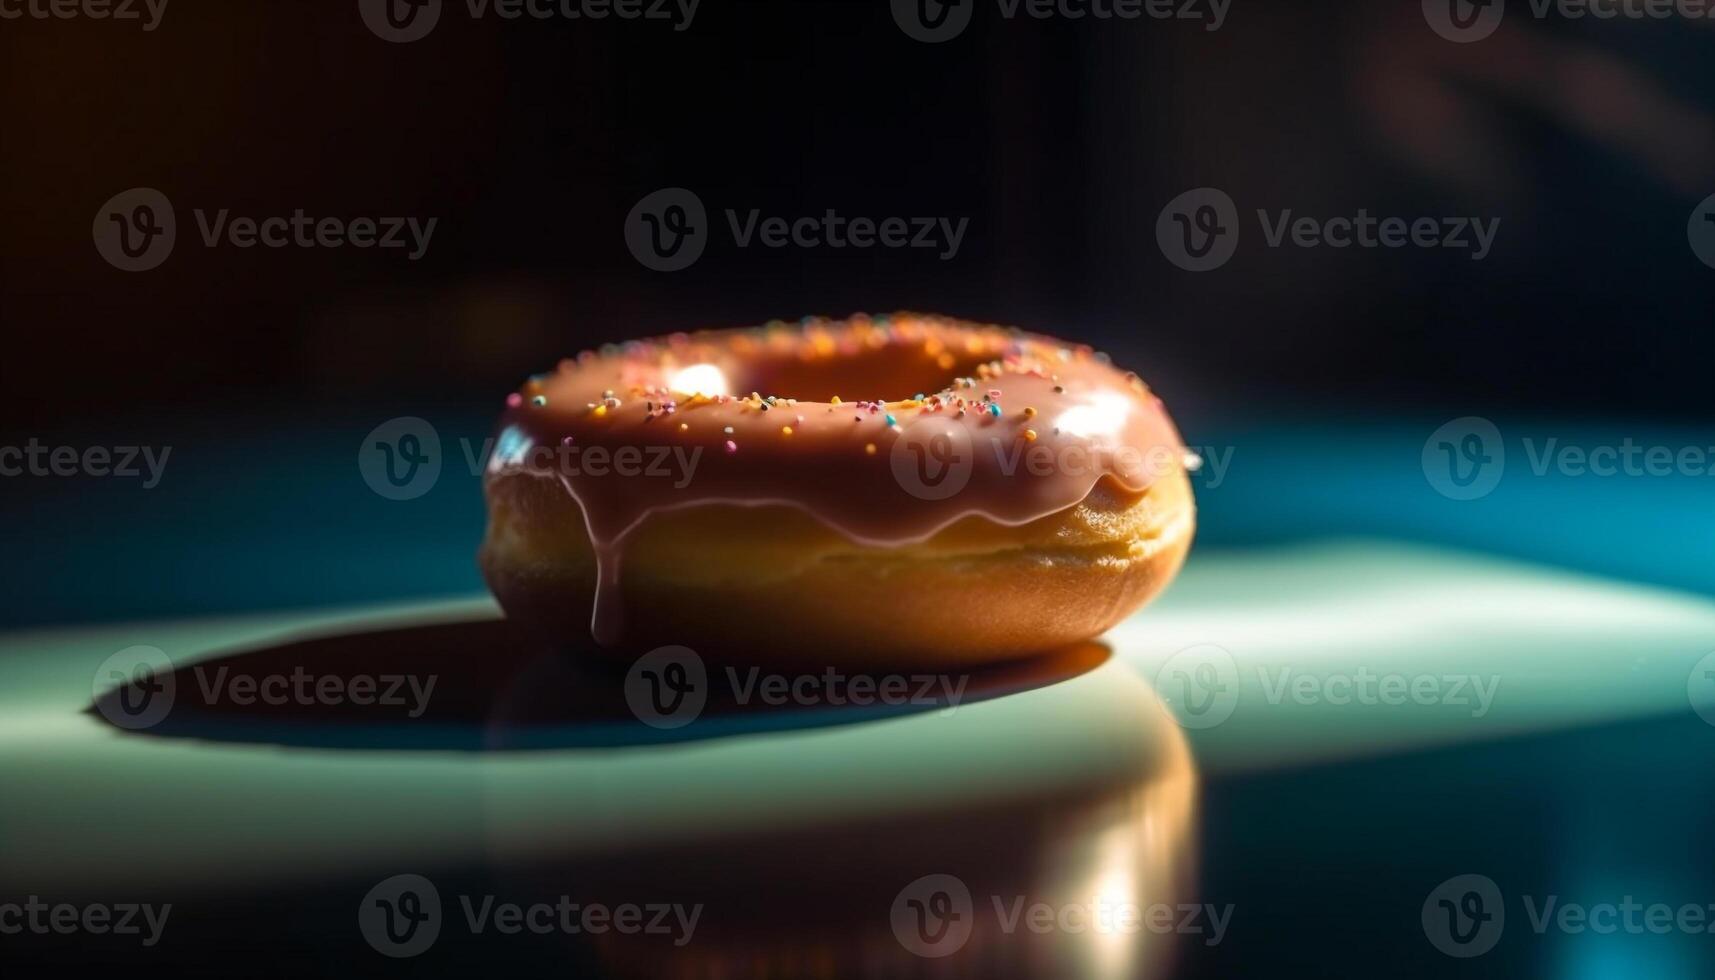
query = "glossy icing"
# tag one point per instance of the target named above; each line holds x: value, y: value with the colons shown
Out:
x: 887, y: 429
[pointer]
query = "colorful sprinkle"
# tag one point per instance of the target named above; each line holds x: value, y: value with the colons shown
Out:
x: 892, y: 421
x: 786, y: 430
x: 539, y: 400
x: 869, y: 449
x: 514, y: 400
x: 731, y: 447
x: 994, y: 409
x: 600, y: 410
x: 1029, y: 435
x: 1029, y: 412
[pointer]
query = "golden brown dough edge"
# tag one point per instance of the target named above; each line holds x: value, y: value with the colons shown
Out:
x: 773, y: 586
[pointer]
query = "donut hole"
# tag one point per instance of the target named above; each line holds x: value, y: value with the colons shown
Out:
x: 889, y: 373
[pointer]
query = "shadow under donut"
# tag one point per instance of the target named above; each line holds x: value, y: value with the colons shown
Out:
x: 485, y: 685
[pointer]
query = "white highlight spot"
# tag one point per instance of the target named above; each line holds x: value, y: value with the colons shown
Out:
x: 1103, y: 413
x: 699, y: 379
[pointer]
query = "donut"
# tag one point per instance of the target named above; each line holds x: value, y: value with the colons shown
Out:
x: 987, y: 495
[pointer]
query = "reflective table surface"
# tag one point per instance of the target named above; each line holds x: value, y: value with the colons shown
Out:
x: 1306, y: 760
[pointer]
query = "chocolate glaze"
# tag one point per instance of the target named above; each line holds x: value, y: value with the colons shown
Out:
x: 625, y: 442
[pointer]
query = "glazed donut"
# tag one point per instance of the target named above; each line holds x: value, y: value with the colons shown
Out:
x: 1012, y: 493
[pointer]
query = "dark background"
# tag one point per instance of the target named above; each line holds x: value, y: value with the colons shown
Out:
x: 1060, y: 141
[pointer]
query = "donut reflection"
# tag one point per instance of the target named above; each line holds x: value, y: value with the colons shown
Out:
x: 1067, y: 850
